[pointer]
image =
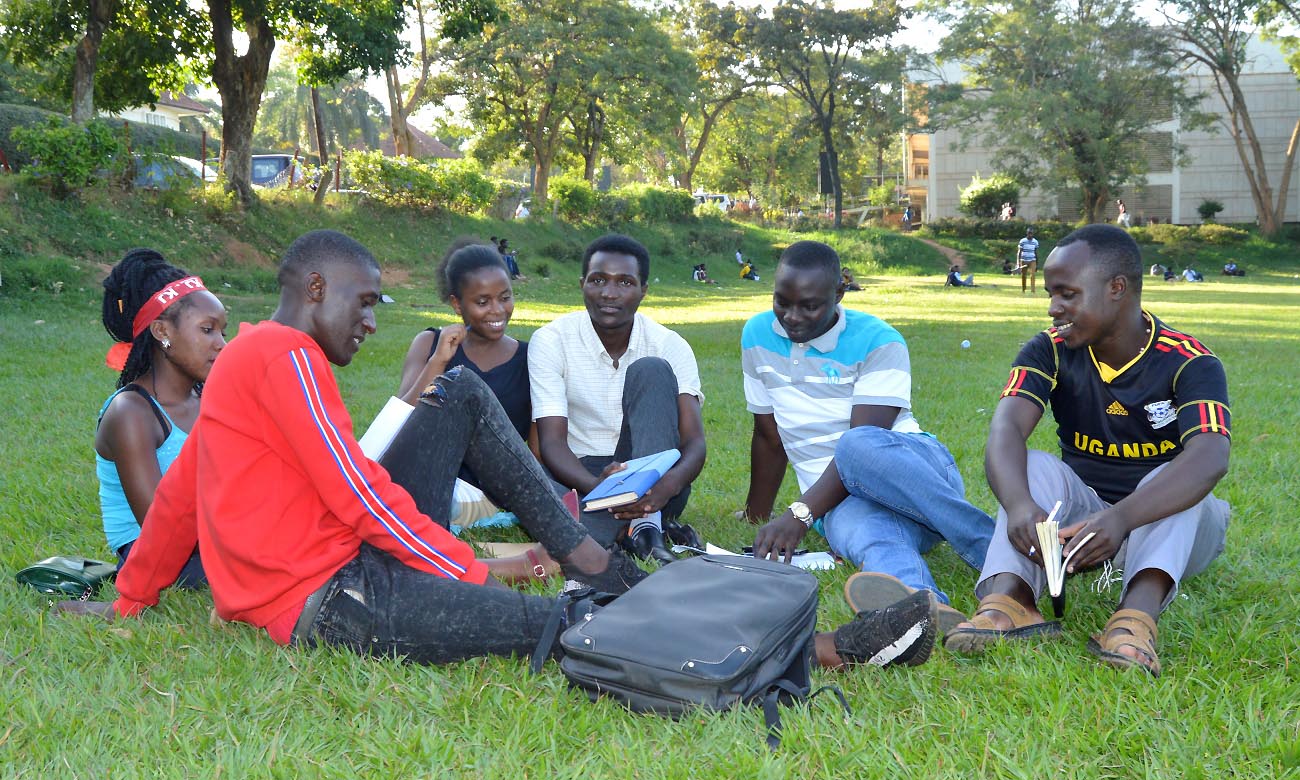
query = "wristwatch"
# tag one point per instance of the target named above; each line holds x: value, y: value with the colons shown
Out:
x: 802, y: 513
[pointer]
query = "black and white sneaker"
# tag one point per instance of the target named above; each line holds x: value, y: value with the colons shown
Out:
x: 617, y: 578
x: 901, y: 634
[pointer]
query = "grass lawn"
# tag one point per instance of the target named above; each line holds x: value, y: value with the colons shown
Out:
x: 170, y: 695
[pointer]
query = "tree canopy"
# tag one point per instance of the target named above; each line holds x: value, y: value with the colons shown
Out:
x: 1064, y: 92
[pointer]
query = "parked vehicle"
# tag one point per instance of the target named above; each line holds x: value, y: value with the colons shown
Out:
x: 162, y: 172
x: 272, y: 170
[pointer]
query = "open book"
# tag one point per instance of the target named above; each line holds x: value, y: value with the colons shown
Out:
x: 1054, y: 564
x: 633, y: 482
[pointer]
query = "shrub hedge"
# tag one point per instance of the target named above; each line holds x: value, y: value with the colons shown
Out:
x: 1045, y: 232
x: 453, y: 185
x: 983, y: 198
x: 143, y: 138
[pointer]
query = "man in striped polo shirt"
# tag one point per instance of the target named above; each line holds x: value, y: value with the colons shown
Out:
x: 831, y: 393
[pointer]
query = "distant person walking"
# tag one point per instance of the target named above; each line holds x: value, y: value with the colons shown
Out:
x: 1124, y: 220
x: 1027, y: 261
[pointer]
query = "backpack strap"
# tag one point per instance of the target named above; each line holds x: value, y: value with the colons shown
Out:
x: 550, y: 633
x: 568, y: 606
x: 772, y: 708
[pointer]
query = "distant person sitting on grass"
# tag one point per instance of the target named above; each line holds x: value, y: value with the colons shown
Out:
x: 1143, y: 421
x: 747, y: 271
x: 1192, y: 275
x: 169, y: 330
x: 1230, y: 269
x: 304, y: 536
x: 850, y: 284
x: 955, y: 278
x: 831, y: 393
x: 701, y: 274
x: 511, y: 260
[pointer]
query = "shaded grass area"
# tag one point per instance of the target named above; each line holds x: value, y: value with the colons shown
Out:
x: 171, y: 695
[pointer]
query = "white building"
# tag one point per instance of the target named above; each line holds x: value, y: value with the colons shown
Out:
x: 167, y: 112
x: 937, y: 171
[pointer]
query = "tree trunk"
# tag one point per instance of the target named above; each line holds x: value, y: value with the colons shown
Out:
x: 1094, y: 204
x: 595, y: 134
x: 100, y: 15
x: 397, y: 112
x: 240, y: 80
x: 322, y: 155
x: 832, y: 162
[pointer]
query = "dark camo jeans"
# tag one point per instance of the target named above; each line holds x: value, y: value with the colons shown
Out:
x: 376, y: 605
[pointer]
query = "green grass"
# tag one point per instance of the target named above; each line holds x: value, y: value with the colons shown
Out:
x: 170, y: 695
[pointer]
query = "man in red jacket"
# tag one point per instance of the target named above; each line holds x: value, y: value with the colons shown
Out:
x: 303, y: 535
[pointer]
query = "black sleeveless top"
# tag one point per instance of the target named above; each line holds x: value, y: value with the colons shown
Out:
x: 508, y: 382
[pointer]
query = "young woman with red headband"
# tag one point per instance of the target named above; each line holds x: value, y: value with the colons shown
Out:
x: 169, y: 330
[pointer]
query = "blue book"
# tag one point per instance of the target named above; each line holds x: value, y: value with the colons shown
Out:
x: 630, y: 484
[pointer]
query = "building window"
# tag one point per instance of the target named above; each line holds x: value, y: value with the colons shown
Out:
x: 155, y: 119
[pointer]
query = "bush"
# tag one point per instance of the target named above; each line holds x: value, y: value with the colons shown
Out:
x: 454, y: 185
x: 885, y: 195
x: 563, y: 250
x: 1011, y: 230
x: 983, y: 198
x: 612, y: 210
x: 69, y: 156
x: 1208, y: 209
x: 656, y: 204
x: 12, y: 117
x: 574, y: 198
x: 1165, y: 233
x: 1221, y: 234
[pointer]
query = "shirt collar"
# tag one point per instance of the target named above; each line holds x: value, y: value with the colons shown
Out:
x: 594, y: 343
x: 825, y: 342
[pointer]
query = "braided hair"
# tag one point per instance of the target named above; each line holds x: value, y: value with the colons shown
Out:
x: 131, y: 283
x: 464, y: 257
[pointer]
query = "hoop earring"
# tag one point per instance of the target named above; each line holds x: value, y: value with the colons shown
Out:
x: 166, y: 344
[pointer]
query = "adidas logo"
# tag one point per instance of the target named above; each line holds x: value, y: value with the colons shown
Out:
x: 1116, y: 409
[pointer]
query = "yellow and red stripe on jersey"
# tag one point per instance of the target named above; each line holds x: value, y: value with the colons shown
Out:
x: 1185, y: 345
x: 1211, y: 417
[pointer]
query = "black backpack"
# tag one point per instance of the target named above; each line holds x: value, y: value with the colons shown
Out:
x: 711, y: 632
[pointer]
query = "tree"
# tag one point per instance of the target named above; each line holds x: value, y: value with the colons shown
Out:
x: 461, y: 20
x: 629, y: 93
x: 109, y: 54
x: 1063, y: 92
x: 723, y: 75
x: 822, y: 56
x: 764, y: 147
x: 350, y: 116
x: 1214, y: 34
x: 340, y: 37
x: 535, y: 82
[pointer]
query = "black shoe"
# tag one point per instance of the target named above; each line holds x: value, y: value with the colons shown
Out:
x: 648, y: 543
x: 617, y: 578
x: 681, y: 533
x: 900, y: 634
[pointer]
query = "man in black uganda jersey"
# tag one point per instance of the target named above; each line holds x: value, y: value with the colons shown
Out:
x: 1143, y: 424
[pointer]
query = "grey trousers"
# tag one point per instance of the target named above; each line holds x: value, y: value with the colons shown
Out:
x: 649, y: 426
x: 1181, y: 545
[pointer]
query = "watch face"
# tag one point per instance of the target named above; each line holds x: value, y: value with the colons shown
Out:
x: 801, y: 512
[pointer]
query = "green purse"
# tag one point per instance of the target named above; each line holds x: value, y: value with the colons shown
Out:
x: 67, y: 575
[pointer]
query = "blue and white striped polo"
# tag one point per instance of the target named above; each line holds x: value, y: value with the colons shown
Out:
x: 811, y: 388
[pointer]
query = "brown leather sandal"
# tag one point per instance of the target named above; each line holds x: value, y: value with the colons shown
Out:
x: 982, y: 632
x: 1141, y: 636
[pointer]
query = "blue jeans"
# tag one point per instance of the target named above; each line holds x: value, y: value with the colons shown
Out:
x: 905, y: 496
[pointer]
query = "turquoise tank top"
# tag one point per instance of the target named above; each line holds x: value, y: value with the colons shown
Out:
x: 120, y: 525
